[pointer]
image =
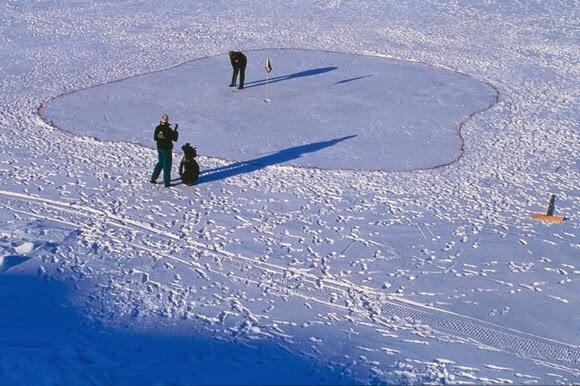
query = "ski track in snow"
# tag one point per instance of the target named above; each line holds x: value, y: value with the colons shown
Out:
x: 381, y: 309
x: 432, y: 276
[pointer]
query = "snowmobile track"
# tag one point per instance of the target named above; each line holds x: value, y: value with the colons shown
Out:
x: 377, y: 306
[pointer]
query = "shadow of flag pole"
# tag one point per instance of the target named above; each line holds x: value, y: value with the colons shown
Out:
x: 268, y: 68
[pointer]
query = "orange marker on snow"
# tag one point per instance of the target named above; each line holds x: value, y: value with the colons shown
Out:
x: 549, y: 216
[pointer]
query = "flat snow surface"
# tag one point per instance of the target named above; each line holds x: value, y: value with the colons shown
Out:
x: 322, y: 109
x: 323, y: 244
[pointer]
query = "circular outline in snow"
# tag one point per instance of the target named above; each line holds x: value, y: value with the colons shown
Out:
x: 328, y: 110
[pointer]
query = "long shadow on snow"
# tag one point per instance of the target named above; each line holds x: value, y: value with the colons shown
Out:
x: 45, y: 340
x: 314, y: 71
x: 353, y: 79
x: 281, y: 156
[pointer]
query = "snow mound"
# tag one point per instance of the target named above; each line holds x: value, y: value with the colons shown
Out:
x: 326, y: 109
x: 7, y: 262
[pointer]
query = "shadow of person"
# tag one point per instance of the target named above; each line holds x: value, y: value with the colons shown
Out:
x: 314, y: 71
x: 279, y: 157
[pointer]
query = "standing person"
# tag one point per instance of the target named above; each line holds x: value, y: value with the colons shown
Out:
x: 238, y: 61
x: 164, y: 136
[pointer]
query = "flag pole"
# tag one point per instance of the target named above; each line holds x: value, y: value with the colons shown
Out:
x: 267, y: 78
x: 268, y: 69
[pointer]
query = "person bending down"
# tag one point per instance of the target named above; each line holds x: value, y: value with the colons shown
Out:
x: 238, y: 61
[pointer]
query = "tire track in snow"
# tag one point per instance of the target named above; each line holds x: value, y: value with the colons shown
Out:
x: 377, y: 306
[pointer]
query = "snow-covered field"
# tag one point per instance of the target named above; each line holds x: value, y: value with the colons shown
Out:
x: 370, y: 224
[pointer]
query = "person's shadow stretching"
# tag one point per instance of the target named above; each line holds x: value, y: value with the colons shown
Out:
x: 281, y: 156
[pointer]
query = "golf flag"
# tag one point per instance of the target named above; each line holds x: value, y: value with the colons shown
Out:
x: 268, y: 66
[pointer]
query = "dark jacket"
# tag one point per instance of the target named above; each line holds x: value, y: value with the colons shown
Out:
x: 165, y: 136
x: 238, y: 60
x: 188, y: 170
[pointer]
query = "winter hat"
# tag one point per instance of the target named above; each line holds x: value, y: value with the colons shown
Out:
x: 189, y: 151
x: 164, y: 118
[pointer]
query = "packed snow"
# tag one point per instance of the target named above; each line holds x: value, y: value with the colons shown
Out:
x: 363, y: 216
x: 370, y: 112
